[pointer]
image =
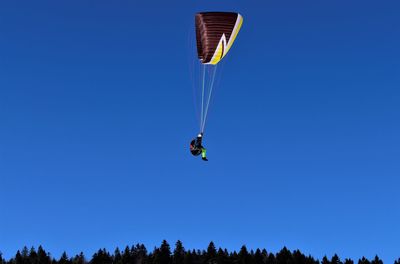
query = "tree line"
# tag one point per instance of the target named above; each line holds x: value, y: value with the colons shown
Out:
x: 138, y: 254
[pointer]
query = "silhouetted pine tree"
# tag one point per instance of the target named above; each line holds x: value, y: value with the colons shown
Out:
x: 117, y: 258
x: 2, y: 261
x: 33, y: 257
x: 264, y: 253
x: 17, y: 259
x: 222, y: 256
x: 139, y: 254
x: 179, y: 253
x: 311, y: 260
x: 162, y: 255
x: 363, y: 261
x: 284, y: 256
x: 258, y: 257
x: 22, y: 257
x: 64, y: 259
x: 25, y: 255
x: 336, y: 260
x: 165, y: 253
x: 397, y: 261
x: 298, y: 257
x: 244, y: 256
x: 25, y: 252
x: 271, y: 259
x: 79, y: 259
x: 210, y: 256
x: 101, y: 257
x: 376, y: 260
x: 43, y: 256
x: 325, y: 260
x: 348, y: 261
x: 126, y: 256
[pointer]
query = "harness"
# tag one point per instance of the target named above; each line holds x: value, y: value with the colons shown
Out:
x: 195, y: 149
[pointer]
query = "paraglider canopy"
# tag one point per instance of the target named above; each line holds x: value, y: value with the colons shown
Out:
x: 215, y: 34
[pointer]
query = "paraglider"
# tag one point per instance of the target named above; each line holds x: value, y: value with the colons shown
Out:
x: 215, y: 34
x: 196, y: 148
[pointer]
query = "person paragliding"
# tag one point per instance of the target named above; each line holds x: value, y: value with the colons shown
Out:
x: 196, y: 147
x: 215, y: 34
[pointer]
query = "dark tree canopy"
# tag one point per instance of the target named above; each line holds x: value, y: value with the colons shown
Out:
x: 138, y: 254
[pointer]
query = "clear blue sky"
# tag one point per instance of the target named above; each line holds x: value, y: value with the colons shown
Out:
x: 96, y: 114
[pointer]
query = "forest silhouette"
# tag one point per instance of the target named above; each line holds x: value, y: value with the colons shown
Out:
x: 138, y: 254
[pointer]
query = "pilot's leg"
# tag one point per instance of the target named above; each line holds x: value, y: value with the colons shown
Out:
x: 203, y: 154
